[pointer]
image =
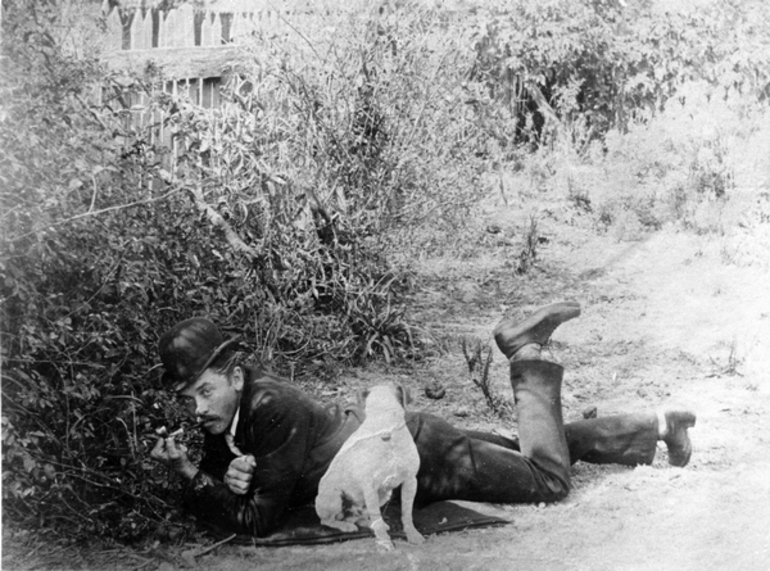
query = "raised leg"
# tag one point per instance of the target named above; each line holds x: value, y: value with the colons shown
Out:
x: 535, y: 467
x: 482, y: 470
x: 537, y: 391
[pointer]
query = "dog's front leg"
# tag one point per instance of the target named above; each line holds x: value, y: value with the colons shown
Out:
x: 408, y: 491
x: 378, y: 525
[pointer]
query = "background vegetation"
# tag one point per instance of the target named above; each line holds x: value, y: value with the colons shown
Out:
x: 296, y: 207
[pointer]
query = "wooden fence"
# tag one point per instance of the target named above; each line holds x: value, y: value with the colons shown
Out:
x: 191, y: 39
x: 181, y: 27
x: 194, y: 46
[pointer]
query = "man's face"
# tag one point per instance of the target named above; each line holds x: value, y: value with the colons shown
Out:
x: 214, y: 398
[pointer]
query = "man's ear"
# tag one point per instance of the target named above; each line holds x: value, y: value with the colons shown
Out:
x: 237, y: 378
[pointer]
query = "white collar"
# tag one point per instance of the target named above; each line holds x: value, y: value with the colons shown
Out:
x: 234, y: 424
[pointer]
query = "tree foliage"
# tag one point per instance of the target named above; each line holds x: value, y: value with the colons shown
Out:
x: 607, y: 63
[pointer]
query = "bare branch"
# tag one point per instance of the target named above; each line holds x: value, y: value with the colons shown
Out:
x: 235, y: 241
x: 101, y: 211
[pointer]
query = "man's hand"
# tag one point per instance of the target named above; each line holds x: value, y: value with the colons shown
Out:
x: 239, y: 474
x: 174, y: 457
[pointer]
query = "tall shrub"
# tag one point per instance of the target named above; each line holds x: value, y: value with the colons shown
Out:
x: 608, y: 63
x: 280, y: 218
x: 104, y: 247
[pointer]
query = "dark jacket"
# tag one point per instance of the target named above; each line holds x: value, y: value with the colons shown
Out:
x: 293, y: 440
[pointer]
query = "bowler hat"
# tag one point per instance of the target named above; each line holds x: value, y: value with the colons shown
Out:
x: 188, y: 349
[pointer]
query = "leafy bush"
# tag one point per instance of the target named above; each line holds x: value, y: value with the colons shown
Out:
x: 275, y: 219
x: 606, y: 63
x: 634, y: 110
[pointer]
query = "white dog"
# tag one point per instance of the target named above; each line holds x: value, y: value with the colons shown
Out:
x: 377, y: 458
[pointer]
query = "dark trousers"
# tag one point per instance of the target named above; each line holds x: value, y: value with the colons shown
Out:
x: 477, y: 466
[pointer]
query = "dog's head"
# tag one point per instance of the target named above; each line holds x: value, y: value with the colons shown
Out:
x: 384, y: 397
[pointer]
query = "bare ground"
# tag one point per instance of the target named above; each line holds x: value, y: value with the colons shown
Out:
x: 670, y: 317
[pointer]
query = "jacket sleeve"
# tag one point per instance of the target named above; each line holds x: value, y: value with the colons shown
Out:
x: 277, y: 434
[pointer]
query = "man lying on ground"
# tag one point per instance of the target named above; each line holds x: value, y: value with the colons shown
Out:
x: 267, y: 443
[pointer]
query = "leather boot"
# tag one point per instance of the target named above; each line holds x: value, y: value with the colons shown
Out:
x: 676, y: 438
x: 511, y: 335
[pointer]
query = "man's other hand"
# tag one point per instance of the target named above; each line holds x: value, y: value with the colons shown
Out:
x: 239, y: 474
x: 174, y: 457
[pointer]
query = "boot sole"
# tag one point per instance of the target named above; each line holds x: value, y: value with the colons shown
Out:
x: 537, y: 328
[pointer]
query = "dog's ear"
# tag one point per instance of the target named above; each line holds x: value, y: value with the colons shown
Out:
x: 361, y: 397
x: 402, y: 395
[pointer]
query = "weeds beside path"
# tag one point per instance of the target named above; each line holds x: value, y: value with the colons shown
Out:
x: 671, y: 318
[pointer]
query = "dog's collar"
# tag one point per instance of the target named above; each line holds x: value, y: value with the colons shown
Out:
x: 387, y: 433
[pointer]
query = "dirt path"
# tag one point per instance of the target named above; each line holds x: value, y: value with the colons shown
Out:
x: 673, y: 318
